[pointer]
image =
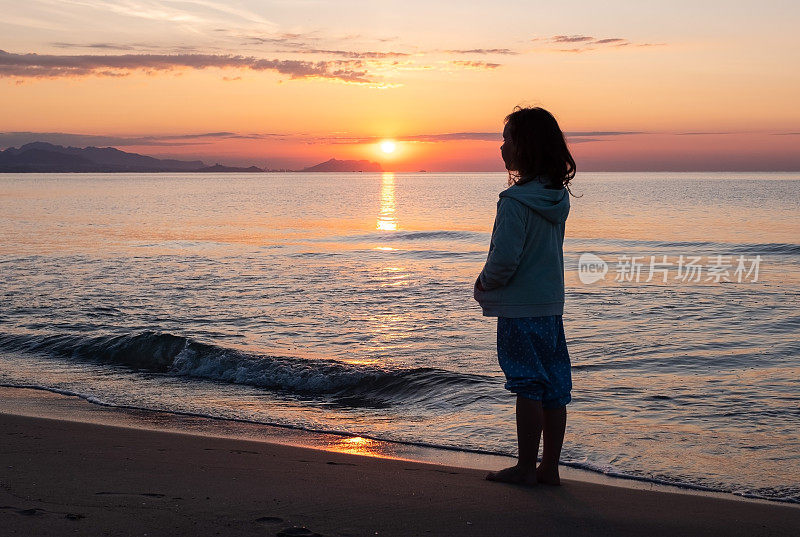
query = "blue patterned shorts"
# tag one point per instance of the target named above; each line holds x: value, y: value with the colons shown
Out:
x: 532, y: 352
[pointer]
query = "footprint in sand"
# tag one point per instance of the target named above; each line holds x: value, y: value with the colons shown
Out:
x: 31, y: 512
x: 430, y: 470
x: 295, y: 531
x: 35, y: 511
x: 148, y: 494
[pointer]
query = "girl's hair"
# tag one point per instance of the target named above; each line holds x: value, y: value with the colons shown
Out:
x: 539, y: 148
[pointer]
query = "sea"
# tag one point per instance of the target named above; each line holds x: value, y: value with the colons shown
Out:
x: 342, y: 303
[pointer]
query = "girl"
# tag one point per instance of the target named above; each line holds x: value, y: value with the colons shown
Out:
x: 522, y: 284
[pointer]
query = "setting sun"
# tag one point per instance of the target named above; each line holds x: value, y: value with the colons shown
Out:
x: 388, y: 146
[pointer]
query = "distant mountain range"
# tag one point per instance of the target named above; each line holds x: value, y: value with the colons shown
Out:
x: 334, y: 165
x: 46, y: 157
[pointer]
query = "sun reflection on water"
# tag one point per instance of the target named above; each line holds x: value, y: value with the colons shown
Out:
x: 386, y: 218
x: 357, y: 445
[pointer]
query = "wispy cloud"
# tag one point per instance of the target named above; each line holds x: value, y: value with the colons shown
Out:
x: 141, y: 48
x: 307, y: 43
x: 469, y: 64
x: 283, y: 39
x: 50, y: 65
x: 718, y: 133
x: 702, y: 133
x: 483, y: 51
x: 181, y: 11
x: 289, y: 44
x: 102, y: 46
x: 611, y: 40
x: 583, y: 43
x: 350, y: 53
x: 571, y: 39
x: 350, y: 66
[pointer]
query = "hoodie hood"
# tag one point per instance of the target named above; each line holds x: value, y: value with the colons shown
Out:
x: 551, y: 204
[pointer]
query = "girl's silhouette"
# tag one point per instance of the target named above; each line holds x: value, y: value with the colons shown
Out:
x: 522, y: 284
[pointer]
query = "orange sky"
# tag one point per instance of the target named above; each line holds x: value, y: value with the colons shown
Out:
x: 637, y: 87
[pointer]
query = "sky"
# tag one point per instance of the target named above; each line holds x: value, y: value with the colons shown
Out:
x: 636, y: 86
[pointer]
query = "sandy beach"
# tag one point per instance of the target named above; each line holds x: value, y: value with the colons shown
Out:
x: 63, y: 477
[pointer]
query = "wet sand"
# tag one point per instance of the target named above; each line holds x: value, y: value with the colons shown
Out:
x: 62, y: 477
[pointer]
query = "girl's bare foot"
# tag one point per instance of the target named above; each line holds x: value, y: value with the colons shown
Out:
x: 548, y: 475
x: 519, y: 475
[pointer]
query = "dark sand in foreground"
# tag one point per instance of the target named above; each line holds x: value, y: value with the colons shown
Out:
x: 68, y: 478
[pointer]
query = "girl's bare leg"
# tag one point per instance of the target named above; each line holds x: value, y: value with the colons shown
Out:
x: 530, y: 421
x: 555, y: 422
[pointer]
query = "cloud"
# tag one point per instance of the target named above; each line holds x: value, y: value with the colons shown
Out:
x: 287, y: 41
x: 133, y: 47
x: 194, y: 12
x: 583, y: 43
x: 704, y: 133
x: 351, y: 53
x: 475, y: 64
x: 571, y: 38
x: 454, y: 136
x: 294, y: 40
x: 479, y: 51
x: 357, y: 67
x: 309, y: 43
x: 104, y: 46
x: 297, y: 43
x: 615, y: 40
x: 222, y: 134
x: 53, y: 66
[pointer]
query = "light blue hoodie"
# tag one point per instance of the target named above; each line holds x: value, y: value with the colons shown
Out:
x: 524, y: 272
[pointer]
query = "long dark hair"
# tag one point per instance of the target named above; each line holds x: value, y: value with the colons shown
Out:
x: 539, y: 148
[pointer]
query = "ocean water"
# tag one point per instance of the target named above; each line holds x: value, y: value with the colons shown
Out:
x: 343, y: 303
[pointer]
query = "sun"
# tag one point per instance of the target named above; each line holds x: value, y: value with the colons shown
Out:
x: 388, y: 146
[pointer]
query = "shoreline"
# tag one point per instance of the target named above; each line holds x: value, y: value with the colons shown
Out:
x: 38, y: 402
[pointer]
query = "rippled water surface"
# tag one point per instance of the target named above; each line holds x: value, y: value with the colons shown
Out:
x: 343, y: 302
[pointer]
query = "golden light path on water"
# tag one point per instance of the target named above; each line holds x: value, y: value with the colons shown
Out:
x: 386, y: 218
x: 388, y: 329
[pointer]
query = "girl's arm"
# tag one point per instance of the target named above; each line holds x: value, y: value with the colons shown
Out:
x: 508, y: 239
